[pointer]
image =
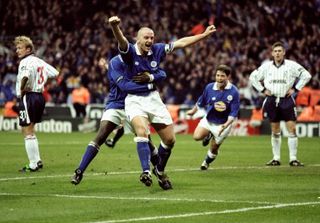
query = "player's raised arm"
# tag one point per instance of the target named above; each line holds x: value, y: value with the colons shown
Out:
x: 114, y: 22
x: 187, y: 41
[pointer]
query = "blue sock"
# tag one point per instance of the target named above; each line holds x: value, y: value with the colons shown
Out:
x: 164, y: 155
x: 144, y: 155
x: 88, y: 156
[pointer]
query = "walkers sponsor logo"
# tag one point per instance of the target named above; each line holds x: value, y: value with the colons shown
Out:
x: 220, y: 106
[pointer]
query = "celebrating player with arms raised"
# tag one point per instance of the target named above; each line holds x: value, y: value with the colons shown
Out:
x: 144, y: 108
x: 114, y: 114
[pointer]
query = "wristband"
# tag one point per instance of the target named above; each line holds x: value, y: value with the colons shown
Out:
x: 150, y: 86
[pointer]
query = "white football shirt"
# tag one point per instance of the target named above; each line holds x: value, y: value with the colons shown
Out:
x: 37, y: 71
x: 280, y: 79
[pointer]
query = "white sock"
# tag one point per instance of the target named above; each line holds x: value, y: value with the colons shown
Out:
x: 293, y: 145
x: 276, y: 145
x: 32, y: 148
x: 211, y: 155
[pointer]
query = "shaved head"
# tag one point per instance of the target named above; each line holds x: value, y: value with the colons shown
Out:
x: 145, y: 39
x: 144, y: 30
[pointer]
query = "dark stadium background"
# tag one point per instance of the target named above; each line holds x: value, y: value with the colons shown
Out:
x: 72, y: 36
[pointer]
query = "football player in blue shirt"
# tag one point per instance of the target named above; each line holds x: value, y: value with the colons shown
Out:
x: 146, y: 108
x: 222, y: 104
x: 114, y: 114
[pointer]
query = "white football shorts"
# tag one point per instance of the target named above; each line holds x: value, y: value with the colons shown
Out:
x: 214, y: 129
x: 118, y: 117
x: 150, y: 107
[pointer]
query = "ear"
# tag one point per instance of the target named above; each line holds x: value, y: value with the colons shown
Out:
x: 29, y: 49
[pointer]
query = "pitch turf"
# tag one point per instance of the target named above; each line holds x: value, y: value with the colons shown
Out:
x: 238, y: 187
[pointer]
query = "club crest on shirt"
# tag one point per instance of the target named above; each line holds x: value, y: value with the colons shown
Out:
x: 220, y: 106
x: 136, y: 63
x: 213, y: 98
x: 229, y: 98
x: 153, y: 63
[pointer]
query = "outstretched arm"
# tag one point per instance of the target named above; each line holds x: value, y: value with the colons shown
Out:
x: 129, y: 86
x: 114, y: 22
x: 117, y: 75
x: 187, y: 41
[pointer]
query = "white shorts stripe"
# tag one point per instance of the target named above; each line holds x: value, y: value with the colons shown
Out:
x: 26, y: 108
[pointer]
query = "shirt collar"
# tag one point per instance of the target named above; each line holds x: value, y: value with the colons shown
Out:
x: 274, y: 63
x: 27, y: 55
x: 138, y: 52
x: 215, y: 86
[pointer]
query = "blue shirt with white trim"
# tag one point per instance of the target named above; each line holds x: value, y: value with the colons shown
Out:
x: 120, y: 85
x: 220, y: 104
x: 138, y: 63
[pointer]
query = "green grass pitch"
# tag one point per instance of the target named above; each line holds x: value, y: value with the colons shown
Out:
x: 238, y: 187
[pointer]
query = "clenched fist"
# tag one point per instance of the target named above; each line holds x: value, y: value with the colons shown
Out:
x: 114, y: 20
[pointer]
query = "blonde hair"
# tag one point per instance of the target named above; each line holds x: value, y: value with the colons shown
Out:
x: 26, y: 41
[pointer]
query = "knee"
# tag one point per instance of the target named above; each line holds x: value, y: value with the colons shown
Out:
x: 292, y: 135
x: 141, y: 131
x: 169, y: 142
x: 276, y: 134
x: 102, y: 135
x: 292, y: 131
x: 26, y: 131
x: 197, y: 137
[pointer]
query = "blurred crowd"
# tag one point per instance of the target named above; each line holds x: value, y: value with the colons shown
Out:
x: 73, y: 37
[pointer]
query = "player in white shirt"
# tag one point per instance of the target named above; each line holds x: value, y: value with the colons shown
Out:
x: 280, y: 80
x: 33, y: 73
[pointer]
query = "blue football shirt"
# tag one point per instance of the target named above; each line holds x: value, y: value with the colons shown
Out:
x: 137, y: 63
x: 120, y: 85
x: 220, y: 104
